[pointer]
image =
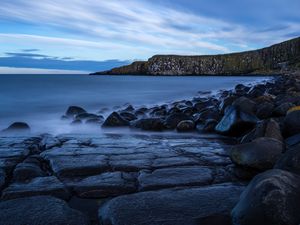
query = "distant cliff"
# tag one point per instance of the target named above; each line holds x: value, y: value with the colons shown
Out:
x: 270, y: 60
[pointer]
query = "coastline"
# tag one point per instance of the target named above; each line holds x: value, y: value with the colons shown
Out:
x: 93, y: 169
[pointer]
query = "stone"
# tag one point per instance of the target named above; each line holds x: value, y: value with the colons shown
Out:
x: 236, y: 122
x: 39, y: 210
x: 174, y: 119
x: 226, y: 102
x: 290, y: 160
x: 272, y: 198
x: 37, y: 186
x: 291, y: 124
x: 128, y: 116
x: 266, y: 128
x: 102, y: 186
x: 2, y: 178
x: 27, y: 171
x: 189, y: 206
x: 76, y: 122
x: 261, y: 154
x: 264, y: 110
x: 245, y: 104
x: 18, y: 127
x: 73, y: 111
x: 115, y: 120
x: 282, y: 109
x: 77, y: 165
x: 210, y: 125
x: 175, y: 177
x: 209, y: 113
x: 185, y: 125
x: 150, y: 124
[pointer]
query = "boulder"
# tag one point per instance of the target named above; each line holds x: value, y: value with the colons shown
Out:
x: 87, y: 116
x: 150, y: 124
x: 115, y: 120
x: 261, y: 154
x: 185, y: 125
x: 73, y: 111
x: 39, y: 210
x: 264, y: 110
x: 291, y: 125
x: 226, y: 102
x: 190, y: 206
x: 282, y: 109
x: 18, y: 127
x: 272, y: 198
x: 128, y: 116
x: 236, y: 122
x: 174, y: 119
x: 266, y: 128
x: 245, y: 104
x: 290, y: 160
x: 210, y: 125
x: 76, y: 122
x: 2, y: 178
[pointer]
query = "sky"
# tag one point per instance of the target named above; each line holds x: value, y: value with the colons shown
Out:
x: 92, y: 35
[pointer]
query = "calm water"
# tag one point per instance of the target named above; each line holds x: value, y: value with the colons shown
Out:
x: 40, y: 100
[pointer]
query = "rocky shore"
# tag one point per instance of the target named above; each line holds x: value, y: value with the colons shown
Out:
x: 232, y: 160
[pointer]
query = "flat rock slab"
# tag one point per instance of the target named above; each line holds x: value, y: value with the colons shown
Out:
x: 39, y: 210
x: 103, y: 185
x: 80, y: 165
x: 37, y: 186
x: 209, y: 205
x: 175, y: 177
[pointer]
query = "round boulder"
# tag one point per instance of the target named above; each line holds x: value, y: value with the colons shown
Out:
x: 291, y: 125
x: 19, y: 127
x: 272, y: 198
x: 185, y: 125
x: 261, y: 154
x: 150, y: 124
x: 115, y: 120
x: 174, y: 119
x: 39, y: 210
x: 74, y: 110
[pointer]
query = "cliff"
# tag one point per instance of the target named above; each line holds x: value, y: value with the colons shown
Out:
x: 270, y: 60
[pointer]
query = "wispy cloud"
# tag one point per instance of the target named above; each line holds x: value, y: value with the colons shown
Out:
x: 138, y: 27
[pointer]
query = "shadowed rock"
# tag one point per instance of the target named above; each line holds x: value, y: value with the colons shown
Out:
x: 18, y: 127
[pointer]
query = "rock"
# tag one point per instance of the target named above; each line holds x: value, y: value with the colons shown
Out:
x: 266, y: 128
x: 293, y: 140
x: 290, y: 160
x: 185, y: 125
x: 73, y: 111
x: 264, y: 110
x: 226, y: 102
x: 236, y: 122
x: 102, y: 186
x: 76, y: 122
x: 174, y: 119
x: 245, y: 104
x: 18, y: 127
x: 94, y: 121
x: 282, y: 109
x: 150, y: 124
x: 291, y: 125
x: 175, y: 177
x: 189, y: 206
x: 256, y: 91
x: 37, y: 186
x: 210, y: 125
x: 39, y: 210
x: 2, y: 178
x: 115, y: 120
x: 87, y: 116
x: 209, y: 113
x: 272, y: 198
x: 260, y: 154
x: 128, y: 116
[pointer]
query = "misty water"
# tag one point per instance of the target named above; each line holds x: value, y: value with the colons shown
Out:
x: 41, y: 100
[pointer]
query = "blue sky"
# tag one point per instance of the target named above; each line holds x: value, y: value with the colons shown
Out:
x: 80, y: 33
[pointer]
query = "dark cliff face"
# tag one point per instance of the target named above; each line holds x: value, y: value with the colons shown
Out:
x: 283, y: 56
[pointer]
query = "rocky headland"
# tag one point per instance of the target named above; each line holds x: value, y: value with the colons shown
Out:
x: 271, y: 60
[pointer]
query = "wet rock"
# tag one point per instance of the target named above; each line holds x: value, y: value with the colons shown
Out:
x: 245, y: 104
x: 18, y: 127
x: 128, y: 116
x: 199, y: 106
x: 282, y: 109
x: 226, y: 102
x: 291, y: 124
x: 37, y: 186
x: 209, y: 113
x: 175, y: 177
x: 264, y: 110
x: 192, y: 206
x: 76, y: 122
x: 73, y: 111
x: 185, y: 125
x: 2, y: 178
x: 256, y: 91
x: 266, y: 128
x: 39, y: 210
x: 150, y: 124
x: 272, y: 198
x: 174, y: 119
x: 87, y: 116
x: 290, y: 160
x: 236, y: 122
x: 210, y: 125
x: 102, y: 186
x: 260, y: 154
x: 94, y: 121
x: 115, y: 120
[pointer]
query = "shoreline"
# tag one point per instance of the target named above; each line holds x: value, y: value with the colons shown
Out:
x: 121, y: 170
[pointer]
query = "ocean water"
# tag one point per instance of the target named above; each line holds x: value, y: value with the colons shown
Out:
x: 40, y: 100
